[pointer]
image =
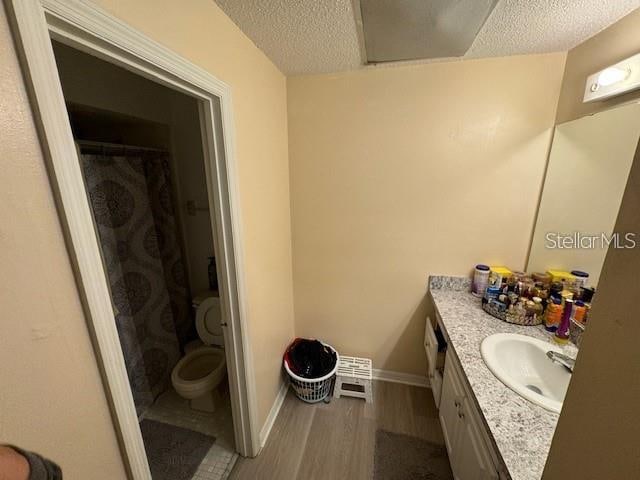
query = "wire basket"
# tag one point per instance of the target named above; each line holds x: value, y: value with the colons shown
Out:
x: 313, y: 390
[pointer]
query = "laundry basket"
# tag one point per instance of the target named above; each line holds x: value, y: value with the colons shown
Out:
x: 313, y: 390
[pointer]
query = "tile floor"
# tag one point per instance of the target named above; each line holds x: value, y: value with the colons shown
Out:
x: 172, y: 409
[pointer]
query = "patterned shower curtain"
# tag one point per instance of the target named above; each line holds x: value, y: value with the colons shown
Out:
x: 134, y: 215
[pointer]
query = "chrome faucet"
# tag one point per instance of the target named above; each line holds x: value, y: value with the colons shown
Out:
x: 567, y: 362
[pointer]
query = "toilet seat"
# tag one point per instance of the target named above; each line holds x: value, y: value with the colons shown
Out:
x: 199, y: 371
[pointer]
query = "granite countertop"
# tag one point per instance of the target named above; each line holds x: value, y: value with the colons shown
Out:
x: 521, y: 430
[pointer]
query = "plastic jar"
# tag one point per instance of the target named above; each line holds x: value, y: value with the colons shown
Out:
x: 480, y: 280
x: 581, y: 278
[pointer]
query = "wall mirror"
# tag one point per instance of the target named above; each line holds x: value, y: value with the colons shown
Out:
x: 588, y: 167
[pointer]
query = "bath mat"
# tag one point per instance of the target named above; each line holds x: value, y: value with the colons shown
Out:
x: 174, y: 453
x: 401, y: 457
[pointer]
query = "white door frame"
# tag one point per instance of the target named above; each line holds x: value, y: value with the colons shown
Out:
x: 92, y: 30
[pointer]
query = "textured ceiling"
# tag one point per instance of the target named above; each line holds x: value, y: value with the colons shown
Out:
x: 320, y: 36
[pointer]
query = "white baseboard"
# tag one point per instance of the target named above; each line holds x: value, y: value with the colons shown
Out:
x: 273, y: 413
x: 399, y: 377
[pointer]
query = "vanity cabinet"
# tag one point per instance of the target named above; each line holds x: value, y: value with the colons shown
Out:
x: 469, y: 454
x: 470, y: 451
x: 449, y: 409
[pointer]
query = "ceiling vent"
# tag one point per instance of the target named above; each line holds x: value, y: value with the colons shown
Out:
x: 397, y: 30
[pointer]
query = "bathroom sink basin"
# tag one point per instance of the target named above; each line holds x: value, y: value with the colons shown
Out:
x: 522, y: 364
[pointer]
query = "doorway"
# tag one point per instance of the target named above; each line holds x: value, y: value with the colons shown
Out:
x: 140, y: 151
x: 83, y: 26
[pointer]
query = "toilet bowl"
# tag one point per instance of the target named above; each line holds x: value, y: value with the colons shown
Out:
x: 197, y: 375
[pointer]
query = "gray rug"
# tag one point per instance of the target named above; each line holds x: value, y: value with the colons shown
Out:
x: 401, y: 457
x: 174, y: 453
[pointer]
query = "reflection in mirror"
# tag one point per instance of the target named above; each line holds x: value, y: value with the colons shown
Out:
x: 586, y: 176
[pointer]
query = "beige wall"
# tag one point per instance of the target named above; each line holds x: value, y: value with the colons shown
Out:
x: 189, y: 171
x: 588, y: 169
x: 51, y: 395
x: 616, y: 43
x: 398, y: 173
x: 61, y: 408
x: 598, y: 430
x: 200, y: 32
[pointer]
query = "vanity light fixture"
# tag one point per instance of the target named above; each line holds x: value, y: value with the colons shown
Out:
x: 611, y: 76
x: 615, y: 80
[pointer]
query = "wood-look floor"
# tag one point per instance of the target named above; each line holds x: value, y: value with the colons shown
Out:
x: 336, y: 441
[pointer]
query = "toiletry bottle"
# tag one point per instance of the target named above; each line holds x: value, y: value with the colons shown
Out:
x: 538, y: 309
x: 579, y: 311
x: 490, y: 294
x: 529, y: 311
x: 498, y: 276
x: 587, y: 294
x: 544, y: 297
x: 562, y: 333
x: 553, y: 314
x: 556, y: 288
x: 543, y: 278
x: 526, y: 287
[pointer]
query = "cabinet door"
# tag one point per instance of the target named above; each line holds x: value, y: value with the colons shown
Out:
x: 448, y: 413
x: 431, y: 349
x: 472, y: 460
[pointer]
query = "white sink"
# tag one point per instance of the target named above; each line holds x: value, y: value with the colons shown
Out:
x: 521, y: 363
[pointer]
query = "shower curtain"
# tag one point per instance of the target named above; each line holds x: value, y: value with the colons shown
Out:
x: 131, y: 200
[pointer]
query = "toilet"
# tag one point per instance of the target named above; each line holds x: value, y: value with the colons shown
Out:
x: 197, y: 375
